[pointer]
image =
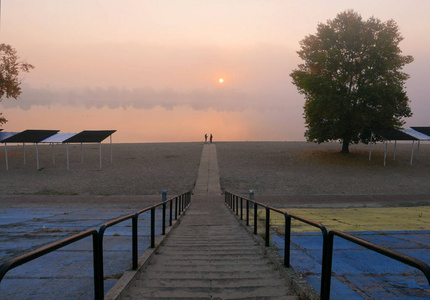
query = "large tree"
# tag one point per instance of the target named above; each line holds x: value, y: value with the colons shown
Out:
x: 351, y: 78
x: 10, y: 68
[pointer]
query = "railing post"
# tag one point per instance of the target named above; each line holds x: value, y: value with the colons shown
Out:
x: 241, y: 208
x: 170, y: 213
x: 134, y: 243
x: 153, y: 227
x: 327, y: 257
x: 251, y: 196
x: 255, y: 218
x: 100, y: 260
x: 287, y: 245
x: 179, y: 205
x: 176, y: 207
x: 163, y: 198
x: 98, y: 281
x: 163, y: 229
x: 237, y: 205
x: 247, y: 213
x: 267, y: 226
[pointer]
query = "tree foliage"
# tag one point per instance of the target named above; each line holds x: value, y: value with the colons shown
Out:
x: 10, y: 68
x: 351, y: 78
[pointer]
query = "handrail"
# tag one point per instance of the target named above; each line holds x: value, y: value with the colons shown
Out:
x: 27, y: 257
x: 231, y: 200
x: 182, y: 202
x: 403, y: 258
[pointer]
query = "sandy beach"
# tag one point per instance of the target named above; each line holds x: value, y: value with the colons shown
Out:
x: 137, y: 169
x: 269, y: 168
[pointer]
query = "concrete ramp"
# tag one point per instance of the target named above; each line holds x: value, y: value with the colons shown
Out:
x: 208, y: 177
x: 208, y: 256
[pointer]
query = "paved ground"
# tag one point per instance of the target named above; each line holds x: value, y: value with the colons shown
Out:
x: 358, y: 272
x: 66, y: 273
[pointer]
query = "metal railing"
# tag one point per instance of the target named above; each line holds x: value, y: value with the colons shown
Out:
x: 25, y: 258
x: 232, y: 201
x: 181, y: 204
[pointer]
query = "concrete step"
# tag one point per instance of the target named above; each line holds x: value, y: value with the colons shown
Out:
x: 215, y: 283
x: 208, y: 256
x: 279, y: 292
x: 197, y: 274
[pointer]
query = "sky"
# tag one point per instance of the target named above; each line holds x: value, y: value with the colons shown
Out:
x: 150, y: 68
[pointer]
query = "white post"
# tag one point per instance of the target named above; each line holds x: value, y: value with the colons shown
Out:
x: 395, y: 145
x: 5, y: 152
x: 412, y: 154
x: 53, y: 153
x: 37, y: 155
x: 370, y: 146
x: 23, y: 150
x: 418, y: 149
x: 82, y: 154
x: 100, y: 156
x: 385, y: 156
x: 67, y: 150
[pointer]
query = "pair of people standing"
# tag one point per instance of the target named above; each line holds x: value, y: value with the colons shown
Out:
x: 210, y: 138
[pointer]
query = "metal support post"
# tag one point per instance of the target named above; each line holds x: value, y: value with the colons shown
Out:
x: 287, y: 244
x: 267, y: 227
x: 170, y: 213
x: 241, y: 208
x: 153, y: 227
x: 135, y: 243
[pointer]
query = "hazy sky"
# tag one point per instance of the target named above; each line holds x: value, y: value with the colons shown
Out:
x: 150, y: 69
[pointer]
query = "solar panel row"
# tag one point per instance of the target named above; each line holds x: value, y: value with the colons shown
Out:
x: 52, y: 136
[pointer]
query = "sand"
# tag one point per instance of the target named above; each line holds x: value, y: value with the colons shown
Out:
x: 269, y: 168
x: 137, y: 169
x: 299, y: 168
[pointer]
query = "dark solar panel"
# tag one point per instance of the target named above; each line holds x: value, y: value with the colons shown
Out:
x: 5, y: 135
x: 90, y: 136
x: 425, y: 130
x: 392, y: 134
x: 30, y: 136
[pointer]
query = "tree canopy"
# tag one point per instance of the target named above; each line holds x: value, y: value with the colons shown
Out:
x: 351, y: 78
x: 10, y: 68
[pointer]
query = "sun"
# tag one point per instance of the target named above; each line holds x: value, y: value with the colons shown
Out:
x: 220, y: 80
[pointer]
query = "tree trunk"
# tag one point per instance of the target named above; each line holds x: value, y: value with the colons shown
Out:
x: 345, y: 146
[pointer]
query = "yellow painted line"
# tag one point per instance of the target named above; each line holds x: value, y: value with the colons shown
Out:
x: 358, y: 219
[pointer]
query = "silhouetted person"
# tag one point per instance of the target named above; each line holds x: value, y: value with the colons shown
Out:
x: 211, y: 138
x: 206, y: 138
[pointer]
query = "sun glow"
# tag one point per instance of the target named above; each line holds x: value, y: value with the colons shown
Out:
x: 220, y: 80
